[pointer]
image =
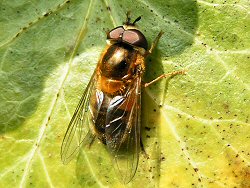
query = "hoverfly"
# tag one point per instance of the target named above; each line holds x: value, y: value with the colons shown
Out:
x: 110, y: 106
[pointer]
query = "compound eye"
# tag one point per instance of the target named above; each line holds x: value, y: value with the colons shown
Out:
x: 135, y: 37
x: 115, y: 33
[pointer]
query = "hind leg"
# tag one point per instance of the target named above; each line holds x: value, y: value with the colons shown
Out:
x: 143, y: 150
x: 91, y: 142
x: 165, y: 76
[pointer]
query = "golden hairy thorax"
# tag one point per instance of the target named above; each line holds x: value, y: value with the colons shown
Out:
x: 118, y: 67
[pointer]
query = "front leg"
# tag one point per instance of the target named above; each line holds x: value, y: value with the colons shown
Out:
x: 154, y: 44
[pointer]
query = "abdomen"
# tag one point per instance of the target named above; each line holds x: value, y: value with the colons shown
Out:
x: 115, y: 74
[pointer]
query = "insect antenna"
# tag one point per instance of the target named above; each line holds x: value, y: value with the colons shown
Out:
x: 136, y: 20
x: 128, y: 20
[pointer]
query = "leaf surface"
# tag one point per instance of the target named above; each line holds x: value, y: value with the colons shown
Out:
x: 195, y: 127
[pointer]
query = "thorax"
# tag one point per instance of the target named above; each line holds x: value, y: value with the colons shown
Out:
x: 117, y: 68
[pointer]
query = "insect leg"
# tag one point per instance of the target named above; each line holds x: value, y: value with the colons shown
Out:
x: 143, y: 149
x: 165, y: 76
x: 154, y: 44
x: 92, y: 141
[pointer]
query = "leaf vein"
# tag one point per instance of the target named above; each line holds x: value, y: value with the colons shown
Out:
x: 111, y: 16
x: 91, y: 170
x: 54, y: 101
x: 32, y: 23
x: 45, y: 169
x: 182, y: 146
x: 171, y: 22
x: 224, y: 4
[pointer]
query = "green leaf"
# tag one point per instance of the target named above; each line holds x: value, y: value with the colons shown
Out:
x: 195, y: 127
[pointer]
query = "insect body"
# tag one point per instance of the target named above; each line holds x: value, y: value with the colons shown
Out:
x: 110, y: 106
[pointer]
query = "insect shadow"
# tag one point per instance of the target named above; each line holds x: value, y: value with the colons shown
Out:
x: 28, y: 59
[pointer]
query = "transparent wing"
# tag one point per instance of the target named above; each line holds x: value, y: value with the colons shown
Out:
x: 122, y: 130
x: 79, y: 129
